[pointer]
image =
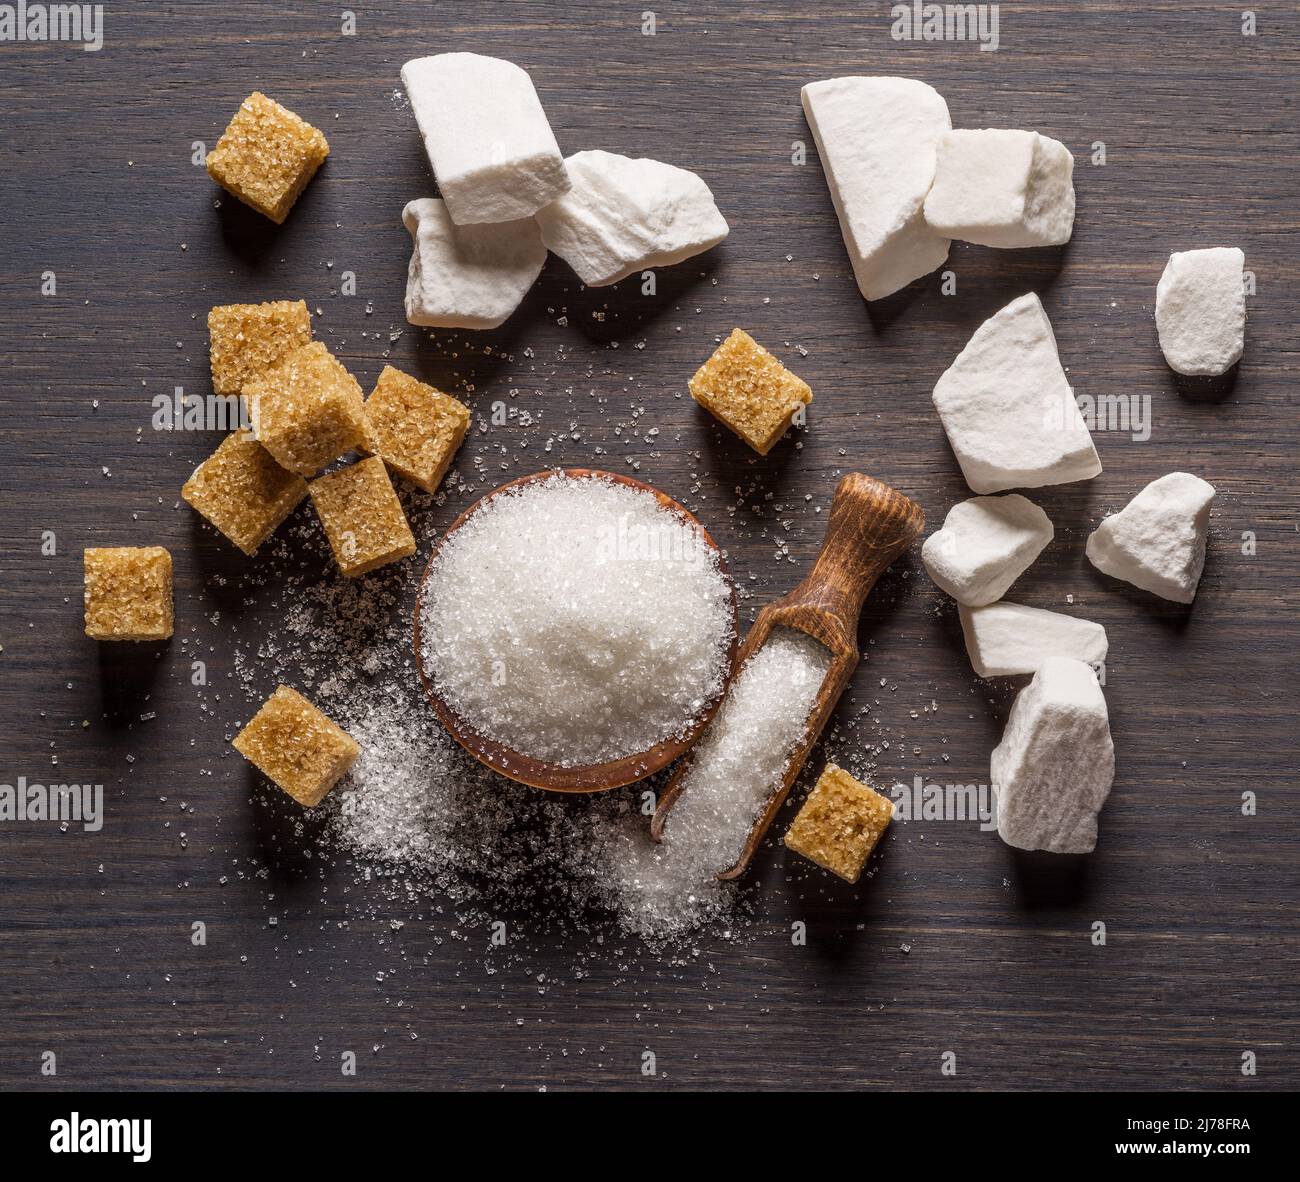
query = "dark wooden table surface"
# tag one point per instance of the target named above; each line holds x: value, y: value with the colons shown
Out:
x: 954, y: 945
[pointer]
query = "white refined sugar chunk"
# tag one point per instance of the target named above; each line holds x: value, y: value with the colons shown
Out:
x: 1007, y: 408
x: 467, y: 276
x: 1006, y: 639
x: 621, y: 216
x: 1157, y: 541
x: 1053, y: 770
x: 1201, y: 310
x: 1002, y: 188
x: 492, y: 150
x: 985, y: 545
x: 876, y: 137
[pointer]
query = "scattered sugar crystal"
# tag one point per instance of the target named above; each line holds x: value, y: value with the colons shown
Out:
x: 576, y: 621
x: 429, y: 831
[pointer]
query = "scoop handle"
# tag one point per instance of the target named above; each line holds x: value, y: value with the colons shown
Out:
x: 870, y: 525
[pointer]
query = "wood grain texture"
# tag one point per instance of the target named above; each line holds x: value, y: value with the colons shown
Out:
x: 954, y: 943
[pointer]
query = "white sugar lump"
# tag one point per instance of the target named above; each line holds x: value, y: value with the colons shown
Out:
x: 1157, y: 541
x: 1201, y: 310
x: 1053, y: 770
x: 1002, y: 188
x: 985, y: 545
x: 1005, y: 639
x: 492, y: 150
x: 621, y: 216
x: 576, y: 621
x: 1007, y: 408
x: 876, y: 137
x: 467, y: 276
x: 741, y: 761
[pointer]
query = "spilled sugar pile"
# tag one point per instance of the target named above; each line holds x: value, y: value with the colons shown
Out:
x: 576, y: 621
x: 417, y: 805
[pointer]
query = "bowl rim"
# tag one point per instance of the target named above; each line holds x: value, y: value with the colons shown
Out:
x: 578, y: 778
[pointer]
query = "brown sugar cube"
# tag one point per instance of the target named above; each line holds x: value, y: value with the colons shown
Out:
x: 840, y: 823
x: 747, y: 389
x: 414, y: 427
x: 249, y: 338
x: 291, y: 742
x: 307, y: 410
x: 362, y: 516
x: 241, y: 490
x: 128, y: 593
x: 266, y: 156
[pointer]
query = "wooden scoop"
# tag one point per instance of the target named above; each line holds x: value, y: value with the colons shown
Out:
x: 870, y: 525
x: 556, y: 777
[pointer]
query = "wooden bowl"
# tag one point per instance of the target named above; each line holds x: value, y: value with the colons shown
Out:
x: 554, y: 777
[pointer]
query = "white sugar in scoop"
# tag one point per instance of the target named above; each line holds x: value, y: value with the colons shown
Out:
x: 576, y: 620
x: 741, y: 761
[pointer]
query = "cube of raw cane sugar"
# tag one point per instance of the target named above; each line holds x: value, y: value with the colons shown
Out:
x: 840, y: 823
x: 292, y: 743
x: 266, y: 156
x: 247, y: 339
x: 307, y: 410
x: 128, y: 593
x: 362, y: 516
x: 747, y: 389
x: 415, y: 428
x: 242, y: 491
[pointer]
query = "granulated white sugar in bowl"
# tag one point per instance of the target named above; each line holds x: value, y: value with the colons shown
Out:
x: 575, y: 620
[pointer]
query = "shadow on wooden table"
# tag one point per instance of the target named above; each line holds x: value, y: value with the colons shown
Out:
x: 287, y: 838
x: 128, y: 674
x: 1046, y: 880
x: 1206, y: 389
